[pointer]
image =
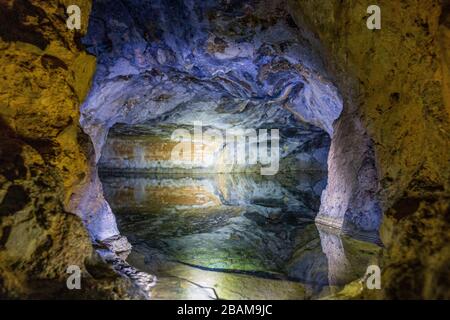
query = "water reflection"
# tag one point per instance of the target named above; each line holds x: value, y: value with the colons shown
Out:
x: 233, y: 235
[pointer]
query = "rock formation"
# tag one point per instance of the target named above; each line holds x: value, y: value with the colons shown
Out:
x: 391, y: 142
x: 311, y: 66
x: 45, y: 157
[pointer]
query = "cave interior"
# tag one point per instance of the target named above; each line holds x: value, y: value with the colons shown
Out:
x: 204, y: 222
x: 224, y: 149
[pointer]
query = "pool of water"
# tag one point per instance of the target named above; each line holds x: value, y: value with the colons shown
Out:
x: 233, y: 236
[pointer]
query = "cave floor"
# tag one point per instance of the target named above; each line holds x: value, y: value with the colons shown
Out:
x: 233, y: 236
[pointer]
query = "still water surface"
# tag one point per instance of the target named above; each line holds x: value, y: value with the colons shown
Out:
x: 234, y: 236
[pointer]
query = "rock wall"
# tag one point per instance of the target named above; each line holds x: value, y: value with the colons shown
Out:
x: 390, y: 150
x: 44, y: 156
x: 152, y: 149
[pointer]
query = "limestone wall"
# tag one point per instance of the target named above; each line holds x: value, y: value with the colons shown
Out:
x: 44, y: 155
x: 394, y: 131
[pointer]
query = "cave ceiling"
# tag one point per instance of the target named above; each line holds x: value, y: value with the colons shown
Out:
x: 224, y: 63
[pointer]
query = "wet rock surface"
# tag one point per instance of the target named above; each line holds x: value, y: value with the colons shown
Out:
x: 150, y: 146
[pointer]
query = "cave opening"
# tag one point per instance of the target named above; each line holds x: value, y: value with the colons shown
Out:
x: 205, y: 226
